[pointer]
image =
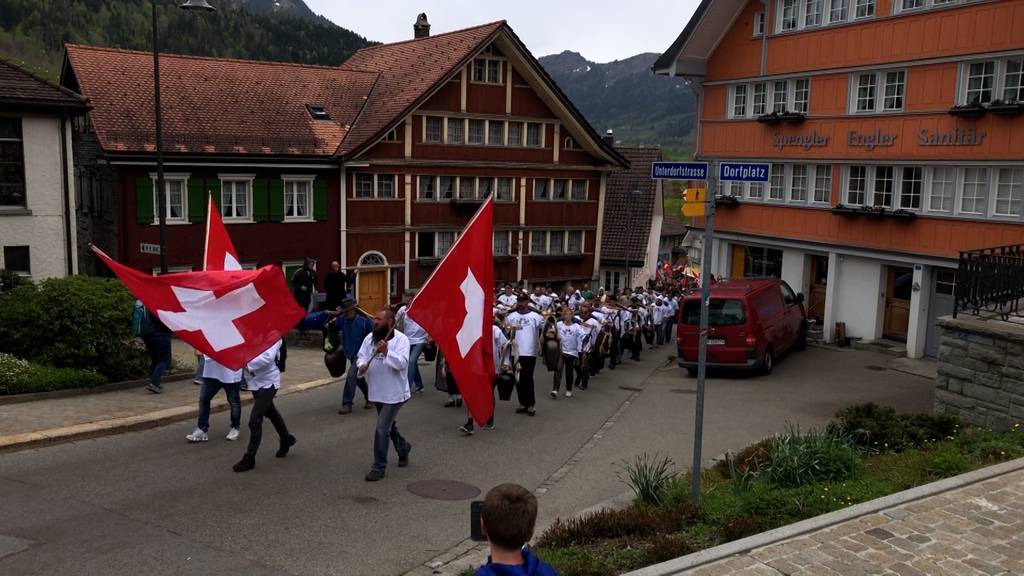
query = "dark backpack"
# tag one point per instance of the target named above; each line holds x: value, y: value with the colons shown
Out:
x: 142, y: 324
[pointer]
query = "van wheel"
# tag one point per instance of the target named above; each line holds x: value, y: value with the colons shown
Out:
x: 768, y: 361
x: 692, y: 372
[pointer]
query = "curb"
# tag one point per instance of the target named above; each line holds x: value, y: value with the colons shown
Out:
x: 729, y: 549
x: 100, y: 428
x: 111, y: 387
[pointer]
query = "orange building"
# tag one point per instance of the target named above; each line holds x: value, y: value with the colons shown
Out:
x: 895, y: 130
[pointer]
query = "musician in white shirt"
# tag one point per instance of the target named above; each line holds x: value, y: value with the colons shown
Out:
x: 658, y: 313
x: 417, y: 342
x: 508, y: 298
x: 384, y: 361
x: 527, y: 325
x: 503, y: 362
x: 590, y: 359
x: 570, y: 337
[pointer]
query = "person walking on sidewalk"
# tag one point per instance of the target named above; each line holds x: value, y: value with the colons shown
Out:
x: 384, y: 361
x: 417, y: 342
x: 354, y: 329
x: 570, y: 337
x: 157, y: 339
x: 264, y: 378
x: 217, y: 377
x: 527, y: 325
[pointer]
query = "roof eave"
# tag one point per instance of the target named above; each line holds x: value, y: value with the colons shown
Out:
x: 31, y: 105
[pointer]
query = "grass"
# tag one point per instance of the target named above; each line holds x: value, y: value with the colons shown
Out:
x: 791, y: 477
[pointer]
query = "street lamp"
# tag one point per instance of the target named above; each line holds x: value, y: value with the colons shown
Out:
x: 161, y: 195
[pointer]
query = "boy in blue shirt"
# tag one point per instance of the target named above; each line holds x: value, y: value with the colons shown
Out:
x: 507, y: 519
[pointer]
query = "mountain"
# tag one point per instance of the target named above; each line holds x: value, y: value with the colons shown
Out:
x: 33, y: 32
x: 627, y: 97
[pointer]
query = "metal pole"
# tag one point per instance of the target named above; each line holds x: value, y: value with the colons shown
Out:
x: 161, y: 193
x: 629, y: 282
x: 702, y: 352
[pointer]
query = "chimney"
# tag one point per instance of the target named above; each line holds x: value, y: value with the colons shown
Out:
x: 609, y: 137
x: 421, y: 29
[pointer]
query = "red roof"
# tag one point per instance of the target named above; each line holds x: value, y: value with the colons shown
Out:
x: 23, y: 89
x: 629, y: 206
x: 217, y: 105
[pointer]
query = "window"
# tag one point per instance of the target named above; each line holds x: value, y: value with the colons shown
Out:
x: 467, y: 188
x: 579, y: 189
x: 798, y: 187
x: 912, y: 4
x: 812, y: 12
x: 801, y: 95
x: 789, y: 14
x: 17, y: 260
x: 176, y: 199
x: 866, y: 91
x: 533, y: 134
x: 515, y: 133
x: 864, y: 8
x: 758, y: 24
x: 432, y: 129
x: 983, y: 82
x: 386, y: 186
x: 12, y: 163
x: 574, y: 242
x: 760, y: 99
x: 883, y: 187
x: 445, y: 241
x: 476, y: 131
x: 381, y: 186
x: 837, y: 10
x: 1013, y: 81
x: 1009, y: 192
x: 867, y: 98
x: 912, y: 181
x: 799, y: 14
x: 485, y: 187
x: 318, y: 112
x: 428, y: 188
x: 487, y: 71
x: 446, y: 188
x: 456, y: 131
x: 538, y: 243
x: 778, y: 182
x: 391, y: 136
x: 972, y: 199
x: 297, y: 199
x: 739, y: 101
x: 495, y: 133
x: 779, y: 96
x: 540, y: 189
x: 755, y: 191
x: 822, y: 184
x: 560, y: 190
x: 761, y: 262
x: 980, y: 81
x: 434, y: 245
x: 502, y: 245
x: 940, y: 195
x: 753, y: 100
x: 364, y: 185
x: 505, y: 190
x: 895, y: 85
x: 556, y: 242
x: 856, y: 185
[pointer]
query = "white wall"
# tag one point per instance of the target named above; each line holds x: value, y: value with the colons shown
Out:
x: 796, y: 270
x: 858, y: 297
x: 42, y: 228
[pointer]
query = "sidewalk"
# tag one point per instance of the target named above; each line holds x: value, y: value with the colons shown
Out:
x: 49, y: 420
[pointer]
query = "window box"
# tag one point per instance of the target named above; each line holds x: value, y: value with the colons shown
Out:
x: 903, y: 214
x: 771, y: 118
x: 972, y: 110
x: 841, y: 210
x: 873, y: 212
x: 726, y: 201
x: 1006, y: 108
x: 778, y: 117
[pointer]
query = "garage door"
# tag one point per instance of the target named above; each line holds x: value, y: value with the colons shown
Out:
x: 941, y: 305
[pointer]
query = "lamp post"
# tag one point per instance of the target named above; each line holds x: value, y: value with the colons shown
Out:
x: 629, y: 232
x: 161, y: 195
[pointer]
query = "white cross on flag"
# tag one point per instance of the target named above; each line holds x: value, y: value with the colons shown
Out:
x: 231, y: 316
x: 455, y: 309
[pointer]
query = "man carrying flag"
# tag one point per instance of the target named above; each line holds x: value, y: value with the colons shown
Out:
x: 454, y: 307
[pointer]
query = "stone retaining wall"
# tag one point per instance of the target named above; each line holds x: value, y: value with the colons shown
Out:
x: 981, y: 370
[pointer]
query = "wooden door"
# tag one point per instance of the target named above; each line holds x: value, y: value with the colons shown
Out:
x: 372, y: 290
x: 899, y: 286
x: 818, y: 289
x: 739, y: 261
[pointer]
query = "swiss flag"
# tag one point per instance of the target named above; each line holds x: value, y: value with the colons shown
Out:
x: 218, y: 252
x: 231, y: 316
x: 454, y: 307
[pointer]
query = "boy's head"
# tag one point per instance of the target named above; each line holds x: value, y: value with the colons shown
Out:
x: 508, y: 516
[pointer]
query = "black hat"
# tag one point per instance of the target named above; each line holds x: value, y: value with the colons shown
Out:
x: 347, y: 304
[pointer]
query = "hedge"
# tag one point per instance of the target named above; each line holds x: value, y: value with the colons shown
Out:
x: 22, y: 377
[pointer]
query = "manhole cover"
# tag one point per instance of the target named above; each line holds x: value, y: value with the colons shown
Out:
x: 877, y: 368
x: 630, y: 388
x: 682, y: 391
x: 444, y: 490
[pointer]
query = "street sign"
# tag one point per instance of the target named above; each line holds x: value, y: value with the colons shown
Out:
x: 149, y: 248
x: 679, y: 170
x: 744, y: 171
x: 696, y: 210
x: 695, y: 195
x: 695, y: 202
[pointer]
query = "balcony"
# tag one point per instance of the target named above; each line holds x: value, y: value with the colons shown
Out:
x: 991, y: 281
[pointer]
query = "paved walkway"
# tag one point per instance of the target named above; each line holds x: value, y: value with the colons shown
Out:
x: 977, y: 529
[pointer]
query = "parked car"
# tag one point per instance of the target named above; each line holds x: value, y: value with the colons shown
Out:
x: 751, y: 321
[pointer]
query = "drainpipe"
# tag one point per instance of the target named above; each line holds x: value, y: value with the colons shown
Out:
x: 68, y: 243
x: 764, y: 38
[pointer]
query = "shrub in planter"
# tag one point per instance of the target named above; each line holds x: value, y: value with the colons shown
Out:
x: 801, y: 458
x: 75, y: 322
x: 881, y: 429
x: 611, y: 524
x: 22, y: 377
x: 648, y: 476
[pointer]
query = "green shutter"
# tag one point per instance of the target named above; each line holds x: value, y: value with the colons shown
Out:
x: 259, y: 200
x: 196, y: 200
x: 213, y: 188
x: 276, y: 200
x: 319, y: 199
x: 144, y: 213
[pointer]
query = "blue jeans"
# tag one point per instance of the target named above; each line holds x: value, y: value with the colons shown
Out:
x: 386, y: 434
x: 159, y: 347
x: 348, y: 393
x: 200, y: 361
x: 415, y: 380
x: 208, y: 390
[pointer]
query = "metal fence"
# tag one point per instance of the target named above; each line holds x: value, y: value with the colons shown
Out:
x: 991, y: 281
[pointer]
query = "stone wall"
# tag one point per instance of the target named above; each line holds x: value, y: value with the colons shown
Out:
x: 981, y: 370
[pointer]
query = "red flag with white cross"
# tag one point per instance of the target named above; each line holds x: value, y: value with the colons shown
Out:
x: 231, y: 316
x: 219, y: 252
x: 454, y: 307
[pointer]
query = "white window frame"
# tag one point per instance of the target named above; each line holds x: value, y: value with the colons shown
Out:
x: 994, y: 188
x: 487, y: 60
x: 294, y: 180
x: 508, y: 243
x: 469, y: 132
x: 999, y: 76
x: 881, y: 84
x: 750, y: 89
x: 930, y: 187
x: 986, y: 194
x: 426, y: 132
x: 868, y: 185
x: 375, y: 190
x: 435, y: 252
x: 898, y: 8
x: 236, y: 179
x: 849, y: 13
x: 788, y: 186
x: 522, y: 134
x: 812, y: 198
x: 391, y: 136
x: 900, y: 180
x: 759, y: 22
x: 856, y: 4
x: 448, y: 123
x: 526, y: 139
x: 182, y: 177
x: 511, y: 192
x: 564, y: 249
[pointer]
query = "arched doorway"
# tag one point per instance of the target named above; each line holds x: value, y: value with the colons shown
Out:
x: 372, y: 282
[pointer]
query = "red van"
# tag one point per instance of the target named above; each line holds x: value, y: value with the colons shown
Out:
x: 750, y: 322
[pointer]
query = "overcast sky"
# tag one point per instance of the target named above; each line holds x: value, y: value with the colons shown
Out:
x: 601, y: 30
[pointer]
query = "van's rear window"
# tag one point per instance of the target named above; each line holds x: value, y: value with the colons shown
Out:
x: 720, y: 313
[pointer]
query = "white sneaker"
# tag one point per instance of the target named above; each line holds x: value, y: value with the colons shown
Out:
x: 554, y: 394
x: 568, y: 394
x: 232, y: 435
x: 197, y: 435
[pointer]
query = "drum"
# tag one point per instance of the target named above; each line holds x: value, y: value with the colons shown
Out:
x: 649, y: 334
x: 627, y: 340
x: 430, y: 352
x: 506, y: 383
x: 335, y: 362
x: 552, y: 351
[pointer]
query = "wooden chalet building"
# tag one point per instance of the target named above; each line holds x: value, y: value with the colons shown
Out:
x: 377, y: 163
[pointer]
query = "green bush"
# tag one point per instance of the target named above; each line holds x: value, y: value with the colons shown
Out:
x: 76, y: 322
x: 881, y: 429
x: 10, y: 280
x: 800, y: 458
x: 611, y: 524
x: 647, y: 476
x: 22, y: 377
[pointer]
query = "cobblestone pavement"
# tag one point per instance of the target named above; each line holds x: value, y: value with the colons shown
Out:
x: 304, y: 365
x: 977, y: 529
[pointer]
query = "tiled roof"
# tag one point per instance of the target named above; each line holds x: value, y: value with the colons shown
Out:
x: 23, y: 88
x: 408, y: 70
x: 629, y: 206
x: 217, y: 105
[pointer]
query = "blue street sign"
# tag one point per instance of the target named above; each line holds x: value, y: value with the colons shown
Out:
x: 679, y: 170
x: 744, y: 172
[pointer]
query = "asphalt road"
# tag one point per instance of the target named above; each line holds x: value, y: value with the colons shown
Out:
x: 148, y: 503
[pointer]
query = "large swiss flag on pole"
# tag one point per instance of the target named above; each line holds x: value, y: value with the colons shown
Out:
x: 231, y: 316
x: 218, y: 252
x: 454, y: 307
